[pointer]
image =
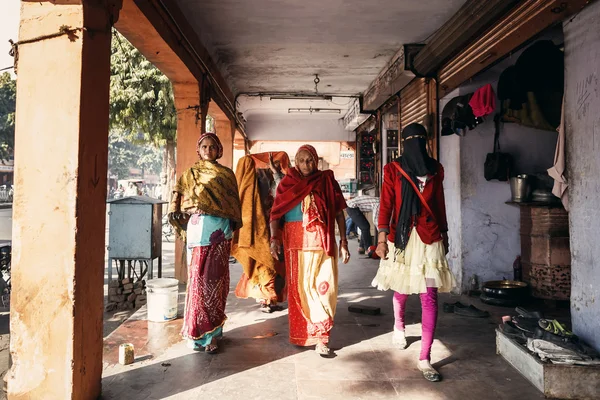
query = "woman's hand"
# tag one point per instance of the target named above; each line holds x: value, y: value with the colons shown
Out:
x: 382, y: 250
x: 275, y: 167
x: 275, y: 248
x: 344, y: 254
x: 175, y: 216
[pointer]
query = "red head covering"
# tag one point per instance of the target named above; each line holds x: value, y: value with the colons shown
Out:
x: 214, y: 137
x: 311, y: 150
x: 327, y: 194
x: 483, y: 101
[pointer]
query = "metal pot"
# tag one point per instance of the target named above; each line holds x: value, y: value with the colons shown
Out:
x: 520, y: 188
x: 506, y: 289
x: 505, y: 293
x: 500, y: 302
x: 544, y: 196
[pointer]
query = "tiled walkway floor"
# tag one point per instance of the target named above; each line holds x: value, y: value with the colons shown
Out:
x: 257, y: 362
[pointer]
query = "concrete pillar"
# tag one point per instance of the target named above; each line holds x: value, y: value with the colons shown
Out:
x: 582, y: 102
x: 187, y: 103
x: 59, y: 206
x: 226, y: 132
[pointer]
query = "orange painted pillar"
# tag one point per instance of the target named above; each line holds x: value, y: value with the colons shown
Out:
x: 59, y: 208
x: 226, y: 132
x: 187, y: 102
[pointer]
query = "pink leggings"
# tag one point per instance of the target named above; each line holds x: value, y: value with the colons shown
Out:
x: 428, y: 318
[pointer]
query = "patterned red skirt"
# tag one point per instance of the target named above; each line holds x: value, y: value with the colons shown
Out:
x: 207, y: 290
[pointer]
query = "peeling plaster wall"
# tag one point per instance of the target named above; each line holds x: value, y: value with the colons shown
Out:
x: 484, y: 231
x: 582, y: 110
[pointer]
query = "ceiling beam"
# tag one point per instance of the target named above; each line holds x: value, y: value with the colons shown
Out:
x: 390, y: 80
x: 180, y: 42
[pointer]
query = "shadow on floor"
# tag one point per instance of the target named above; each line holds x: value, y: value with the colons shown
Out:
x: 259, y: 347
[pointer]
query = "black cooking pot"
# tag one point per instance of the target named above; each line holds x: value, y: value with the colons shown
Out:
x: 505, y: 293
x: 506, y: 289
x: 501, y: 302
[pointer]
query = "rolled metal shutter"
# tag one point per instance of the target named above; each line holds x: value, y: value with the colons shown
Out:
x: 413, y: 102
x: 418, y: 103
x: 513, y: 30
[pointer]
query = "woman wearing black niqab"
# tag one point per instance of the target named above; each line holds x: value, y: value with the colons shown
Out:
x: 412, y: 213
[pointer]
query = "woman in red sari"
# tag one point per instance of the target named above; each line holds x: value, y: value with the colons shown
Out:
x: 308, y: 203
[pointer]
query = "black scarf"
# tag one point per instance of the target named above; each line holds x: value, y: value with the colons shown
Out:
x: 415, y: 162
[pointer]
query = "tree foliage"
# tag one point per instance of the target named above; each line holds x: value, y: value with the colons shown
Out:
x: 141, y: 97
x: 142, y: 109
x: 8, y: 97
x: 124, y: 155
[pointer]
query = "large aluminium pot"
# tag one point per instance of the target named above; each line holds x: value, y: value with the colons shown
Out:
x: 505, y: 293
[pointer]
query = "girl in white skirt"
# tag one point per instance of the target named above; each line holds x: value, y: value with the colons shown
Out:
x: 413, y: 240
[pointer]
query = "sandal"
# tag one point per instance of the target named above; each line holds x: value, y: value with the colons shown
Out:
x: 323, y: 350
x: 266, y: 308
x: 212, y: 347
x: 431, y: 375
x: 192, y: 345
x: 429, y: 372
x: 399, y: 339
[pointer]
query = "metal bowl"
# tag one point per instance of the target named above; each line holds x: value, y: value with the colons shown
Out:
x: 501, y: 302
x: 506, y: 289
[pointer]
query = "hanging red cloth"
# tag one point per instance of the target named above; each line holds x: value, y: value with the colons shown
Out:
x: 483, y: 101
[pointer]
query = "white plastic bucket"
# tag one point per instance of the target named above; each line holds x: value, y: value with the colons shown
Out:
x: 162, y: 299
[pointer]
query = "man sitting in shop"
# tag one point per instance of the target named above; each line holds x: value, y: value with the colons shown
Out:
x: 357, y: 206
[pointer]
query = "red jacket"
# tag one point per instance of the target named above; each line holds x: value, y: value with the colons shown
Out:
x: 429, y: 229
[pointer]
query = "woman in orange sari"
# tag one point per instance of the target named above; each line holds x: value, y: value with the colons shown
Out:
x: 308, y: 204
x: 263, y: 277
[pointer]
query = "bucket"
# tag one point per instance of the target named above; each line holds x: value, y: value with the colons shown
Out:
x: 520, y: 188
x: 163, y: 294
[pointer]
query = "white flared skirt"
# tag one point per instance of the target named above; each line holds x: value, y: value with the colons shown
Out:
x: 419, y: 266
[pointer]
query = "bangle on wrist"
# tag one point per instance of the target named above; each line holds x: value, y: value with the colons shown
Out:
x: 274, y: 239
x: 381, y: 242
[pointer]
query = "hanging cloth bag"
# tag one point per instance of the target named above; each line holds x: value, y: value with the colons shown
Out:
x: 497, y: 165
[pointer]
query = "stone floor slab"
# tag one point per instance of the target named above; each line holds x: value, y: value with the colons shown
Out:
x: 256, y: 360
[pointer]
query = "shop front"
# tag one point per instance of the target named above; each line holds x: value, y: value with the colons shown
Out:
x: 508, y: 143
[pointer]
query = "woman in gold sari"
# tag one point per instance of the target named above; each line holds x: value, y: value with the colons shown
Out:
x: 205, y: 211
x: 308, y: 204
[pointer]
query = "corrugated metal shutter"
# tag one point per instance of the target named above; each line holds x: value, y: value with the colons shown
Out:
x: 413, y: 102
x: 418, y: 103
x: 513, y: 30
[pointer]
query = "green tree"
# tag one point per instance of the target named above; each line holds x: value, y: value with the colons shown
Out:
x: 141, y: 104
x: 124, y: 155
x: 8, y: 96
x: 121, y: 155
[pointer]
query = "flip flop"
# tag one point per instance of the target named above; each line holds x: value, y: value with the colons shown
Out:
x: 211, y: 348
x: 528, y: 314
x: 527, y: 325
